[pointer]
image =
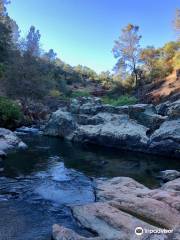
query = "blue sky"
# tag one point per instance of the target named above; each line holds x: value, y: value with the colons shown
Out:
x: 83, y: 31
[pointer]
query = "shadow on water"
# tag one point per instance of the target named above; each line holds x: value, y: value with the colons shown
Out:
x: 39, y: 184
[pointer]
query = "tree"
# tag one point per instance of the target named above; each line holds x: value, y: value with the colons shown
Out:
x: 170, y: 49
x: 15, y: 32
x: 5, y: 31
x: 177, y: 23
x: 3, y: 10
x: 105, y: 78
x: 50, y: 56
x: 127, y: 50
x: 149, y: 57
x: 5, y: 42
x: 33, y: 42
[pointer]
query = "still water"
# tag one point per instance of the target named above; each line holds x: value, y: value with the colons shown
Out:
x: 39, y: 184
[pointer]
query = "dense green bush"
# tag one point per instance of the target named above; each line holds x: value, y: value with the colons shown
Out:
x: 123, y: 100
x: 10, y: 113
x: 81, y: 93
x: 55, y: 93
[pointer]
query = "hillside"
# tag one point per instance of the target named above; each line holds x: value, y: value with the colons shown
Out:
x: 162, y: 90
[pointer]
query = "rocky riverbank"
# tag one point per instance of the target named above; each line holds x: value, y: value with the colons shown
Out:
x: 9, y: 141
x: 140, y: 127
x: 123, y: 205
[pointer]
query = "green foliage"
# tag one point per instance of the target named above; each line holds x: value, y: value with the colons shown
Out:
x: 123, y: 100
x: 81, y: 93
x: 1, y: 69
x: 55, y: 93
x: 176, y: 60
x: 159, y: 63
x: 106, y: 79
x: 10, y: 113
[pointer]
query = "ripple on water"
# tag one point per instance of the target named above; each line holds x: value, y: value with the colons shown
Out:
x: 64, y: 186
x: 30, y: 206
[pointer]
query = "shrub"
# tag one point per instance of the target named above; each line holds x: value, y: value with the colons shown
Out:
x: 81, y: 93
x: 10, y: 113
x: 176, y: 60
x: 55, y: 93
x: 123, y: 100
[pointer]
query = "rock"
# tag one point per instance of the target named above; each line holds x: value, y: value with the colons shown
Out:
x: 9, y: 140
x: 3, y: 154
x: 62, y: 233
x: 1, y: 165
x: 173, y: 110
x: 162, y: 108
x: 169, y: 175
x: 110, y: 222
x: 85, y: 105
x: 123, y: 205
x: 61, y: 124
x: 162, y: 215
x: 32, y: 130
x: 116, y: 110
x: 119, y: 132
x: 170, y: 197
x: 166, y: 139
x: 172, y: 186
x: 146, y: 115
x: 22, y: 145
x: 108, y: 190
x: 130, y: 196
x: 138, y: 127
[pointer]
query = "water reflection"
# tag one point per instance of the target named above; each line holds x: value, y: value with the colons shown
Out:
x: 44, y: 152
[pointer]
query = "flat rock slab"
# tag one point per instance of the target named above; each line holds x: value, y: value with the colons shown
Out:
x: 107, y: 190
x: 62, y: 233
x: 111, y: 223
x: 124, y: 204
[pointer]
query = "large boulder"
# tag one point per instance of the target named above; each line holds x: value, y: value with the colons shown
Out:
x: 61, y: 124
x: 170, y: 109
x: 166, y: 139
x: 8, y: 141
x: 118, y: 131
